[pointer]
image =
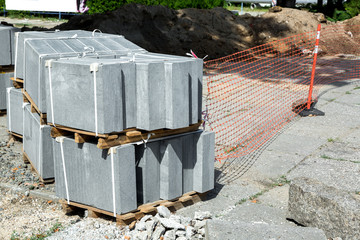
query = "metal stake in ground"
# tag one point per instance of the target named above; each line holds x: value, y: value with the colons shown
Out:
x: 310, y: 110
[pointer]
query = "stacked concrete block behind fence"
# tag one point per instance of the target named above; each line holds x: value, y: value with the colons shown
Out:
x: 145, y: 91
x: 5, y: 83
x: 37, y: 144
x: 15, y: 111
x: 38, y: 51
x: 88, y: 175
x: 170, y: 167
x: 172, y: 86
x: 7, y: 46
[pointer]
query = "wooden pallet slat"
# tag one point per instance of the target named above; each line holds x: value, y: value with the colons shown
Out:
x: 106, y: 141
x: 19, y: 80
x: 125, y: 139
x: 14, y: 135
x: 141, y: 211
x: 34, y: 108
x: 7, y: 69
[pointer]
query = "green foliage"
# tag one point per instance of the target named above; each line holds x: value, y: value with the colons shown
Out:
x: 348, y: 10
x: 38, y: 236
x: 102, y: 6
x: 2, y: 5
x: 352, y: 7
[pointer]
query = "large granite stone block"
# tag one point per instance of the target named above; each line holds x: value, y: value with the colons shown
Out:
x: 335, y: 211
x: 37, y: 143
x: 15, y: 111
x: 91, y: 176
x: 5, y: 83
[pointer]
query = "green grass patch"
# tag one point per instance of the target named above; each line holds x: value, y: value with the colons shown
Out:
x: 347, y: 92
x: 40, y: 235
x: 325, y: 156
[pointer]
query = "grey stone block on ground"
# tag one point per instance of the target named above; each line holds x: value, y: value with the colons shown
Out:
x: 314, y: 204
x: 7, y: 46
x: 15, y: 111
x: 37, y: 143
x: 5, y: 83
x: 91, y: 176
x: 109, y: 106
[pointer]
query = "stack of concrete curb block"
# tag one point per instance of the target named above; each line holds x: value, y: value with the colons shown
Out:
x: 147, y: 91
x: 7, y: 60
x: 84, y: 44
x: 173, y: 166
x: 165, y: 169
x: 37, y: 144
x: 15, y: 110
x: 103, y: 85
x: 32, y: 50
x: 88, y: 175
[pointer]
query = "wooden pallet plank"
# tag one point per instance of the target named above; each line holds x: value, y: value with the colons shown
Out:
x: 142, y: 210
x: 19, y: 80
x: 124, y: 139
x: 67, y: 131
x: 17, y: 85
x: 34, y: 108
x: 15, y: 136
x: 7, y: 69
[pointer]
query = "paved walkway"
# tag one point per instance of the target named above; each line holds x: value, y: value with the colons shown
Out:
x: 254, y: 206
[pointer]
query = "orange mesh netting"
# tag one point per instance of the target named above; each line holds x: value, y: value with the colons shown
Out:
x: 250, y: 95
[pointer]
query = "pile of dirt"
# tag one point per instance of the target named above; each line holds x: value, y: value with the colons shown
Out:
x: 216, y: 32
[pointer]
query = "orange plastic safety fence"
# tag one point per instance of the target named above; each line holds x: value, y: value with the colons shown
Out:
x: 252, y: 94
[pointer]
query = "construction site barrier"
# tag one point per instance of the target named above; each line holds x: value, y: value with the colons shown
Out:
x: 251, y: 95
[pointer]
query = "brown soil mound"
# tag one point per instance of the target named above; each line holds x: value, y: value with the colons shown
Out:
x: 216, y: 32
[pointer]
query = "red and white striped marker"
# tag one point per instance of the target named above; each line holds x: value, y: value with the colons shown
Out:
x: 314, y: 67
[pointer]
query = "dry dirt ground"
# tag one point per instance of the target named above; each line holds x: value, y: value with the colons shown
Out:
x: 216, y: 32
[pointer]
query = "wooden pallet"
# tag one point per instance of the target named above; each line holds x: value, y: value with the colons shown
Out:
x: 105, y: 141
x: 34, y: 108
x: 17, y: 83
x: 149, y: 208
x: 14, y: 135
x: 28, y: 161
x: 7, y: 69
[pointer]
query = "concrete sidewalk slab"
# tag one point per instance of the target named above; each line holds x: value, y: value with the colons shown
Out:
x: 225, y: 230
